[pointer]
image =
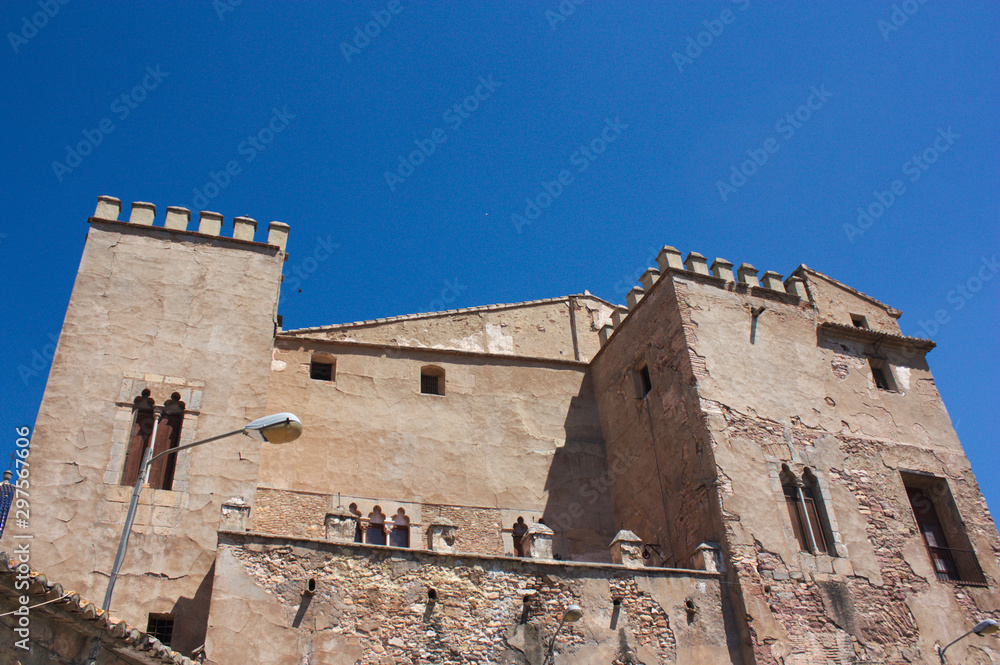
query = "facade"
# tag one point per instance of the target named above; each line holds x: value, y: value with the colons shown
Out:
x: 734, y: 468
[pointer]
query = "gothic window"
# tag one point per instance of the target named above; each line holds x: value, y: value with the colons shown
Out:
x: 806, y: 511
x: 142, y: 428
x: 375, y: 533
x: 167, y: 426
x: 400, y: 534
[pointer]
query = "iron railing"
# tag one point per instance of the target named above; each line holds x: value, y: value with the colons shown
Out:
x: 957, y: 566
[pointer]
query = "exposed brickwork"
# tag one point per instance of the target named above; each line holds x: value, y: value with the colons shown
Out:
x: 377, y: 601
x: 478, y: 528
x: 290, y: 513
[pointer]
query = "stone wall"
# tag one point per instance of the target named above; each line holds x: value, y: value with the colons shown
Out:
x: 169, y: 310
x: 371, y: 606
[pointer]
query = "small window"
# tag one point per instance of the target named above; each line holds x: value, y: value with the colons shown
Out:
x: 882, y: 374
x: 643, y: 384
x: 321, y: 367
x: 375, y: 533
x: 944, y: 535
x: 859, y: 321
x: 432, y: 380
x: 400, y: 534
x: 161, y: 626
x: 518, y: 531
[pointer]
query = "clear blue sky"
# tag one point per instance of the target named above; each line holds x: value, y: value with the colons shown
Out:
x: 172, y: 93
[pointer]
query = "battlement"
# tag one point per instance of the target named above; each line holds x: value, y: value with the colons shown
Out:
x: 720, y: 273
x: 178, y: 219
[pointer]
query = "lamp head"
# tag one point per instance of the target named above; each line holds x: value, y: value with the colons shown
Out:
x: 277, y: 428
x: 573, y: 614
x: 987, y: 627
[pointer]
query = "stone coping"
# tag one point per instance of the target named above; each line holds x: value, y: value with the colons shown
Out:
x: 444, y: 313
x: 882, y: 337
x: 248, y: 244
x: 429, y: 556
x: 538, y: 360
x: 738, y: 287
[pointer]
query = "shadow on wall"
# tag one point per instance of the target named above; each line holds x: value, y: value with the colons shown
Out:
x: 191, y: 616
x: 579, y: 507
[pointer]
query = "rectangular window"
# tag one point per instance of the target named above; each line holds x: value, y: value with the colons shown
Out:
x: 429, y: 384
x: 882, y: 374
x: 321, y: 371
x: 940, y: 526
x: 807, y: 517
x: 643, y: 383
x: 161, y: 626
x: 859, y: 321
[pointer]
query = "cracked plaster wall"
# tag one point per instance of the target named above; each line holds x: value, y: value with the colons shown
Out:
x: 509, y: 437
x: 561, y: 329
x: 794, y: 398
x: 148, y: 302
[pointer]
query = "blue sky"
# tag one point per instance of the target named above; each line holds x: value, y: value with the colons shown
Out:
x: 498, y: 98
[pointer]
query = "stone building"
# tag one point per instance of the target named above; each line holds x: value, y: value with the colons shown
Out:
x: 734, y: 468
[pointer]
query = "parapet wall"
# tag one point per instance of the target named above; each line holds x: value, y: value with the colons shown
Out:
x: 179, y: 219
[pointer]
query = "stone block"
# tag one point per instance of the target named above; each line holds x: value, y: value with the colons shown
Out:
x: 772, y: 280
x: 244, y: 228
x: 723, y: 269
x: 696, y: 263
x: 108, y: 207
x: 210, y: 223
x: 539, y: 540
x: 177, y: 218
x: 626, y: 549
x: 235, y: 515
x: 605, y: 334
x: 618, y: 316
x: 649, y: 278
x: 277, y: 234
x: 708, y: 557
x: 341, y: 525
x: 442, y: 535
x: 669, y: 258
x: 634, y: 296
x: 747, y: 274
x: 142, y: 213
x: 796, y: 286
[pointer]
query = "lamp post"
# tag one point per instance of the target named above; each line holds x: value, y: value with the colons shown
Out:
x: 277, y: 428
x: 987, y: 627
x: 572, y: 614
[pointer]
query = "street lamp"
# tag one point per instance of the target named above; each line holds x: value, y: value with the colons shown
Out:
x: 987, y: 627
x: 277, y: 428
x: 572, y: 614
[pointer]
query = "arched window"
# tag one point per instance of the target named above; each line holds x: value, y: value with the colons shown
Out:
x: 375, y: 533
x: 805, y: 510
x: 431, y: 380
x: 400, y: 534
x: 359, y: 534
